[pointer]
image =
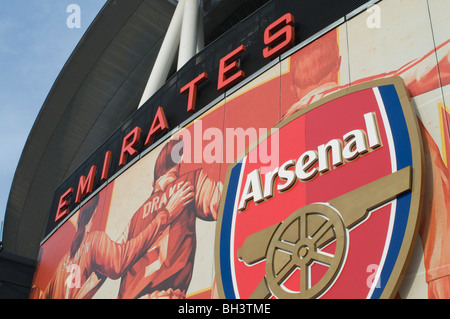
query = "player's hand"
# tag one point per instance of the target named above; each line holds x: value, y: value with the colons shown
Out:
x: 180, y: 199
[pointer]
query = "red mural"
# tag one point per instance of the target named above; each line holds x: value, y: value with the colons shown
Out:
x: 155, y: 257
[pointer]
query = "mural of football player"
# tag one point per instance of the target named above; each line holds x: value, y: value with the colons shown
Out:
x: 165, y: 271
x: 315, y: 71
x: 315, y: 74
x: 94, y: 254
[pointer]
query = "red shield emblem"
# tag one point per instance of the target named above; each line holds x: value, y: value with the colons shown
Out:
x: 335, y: 214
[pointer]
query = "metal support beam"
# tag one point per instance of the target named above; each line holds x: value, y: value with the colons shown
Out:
x: 188, y: 40
x: 200, y: 30
x: 182, y: 35
x: 166, y: 54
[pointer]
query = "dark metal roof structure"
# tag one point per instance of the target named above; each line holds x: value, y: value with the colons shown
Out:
x: 99, y: 86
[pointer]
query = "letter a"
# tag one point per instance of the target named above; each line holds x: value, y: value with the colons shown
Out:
x: 374, y: 20
x: 73, y: 20
x: 252, y: 190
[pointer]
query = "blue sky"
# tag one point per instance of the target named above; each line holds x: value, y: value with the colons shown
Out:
x: 35, y: 43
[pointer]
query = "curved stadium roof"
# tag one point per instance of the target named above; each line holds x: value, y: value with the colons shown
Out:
x: 98, y: 88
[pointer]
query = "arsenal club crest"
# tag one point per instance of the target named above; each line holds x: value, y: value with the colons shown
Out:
x: 336, y: 214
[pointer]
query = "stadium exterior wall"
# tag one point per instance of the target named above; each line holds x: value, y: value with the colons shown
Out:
x: 139, y: 220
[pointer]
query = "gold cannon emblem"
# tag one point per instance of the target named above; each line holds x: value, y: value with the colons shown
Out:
x: 297, y: 242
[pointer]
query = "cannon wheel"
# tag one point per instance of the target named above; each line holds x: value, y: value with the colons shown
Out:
x: 297, y: 244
